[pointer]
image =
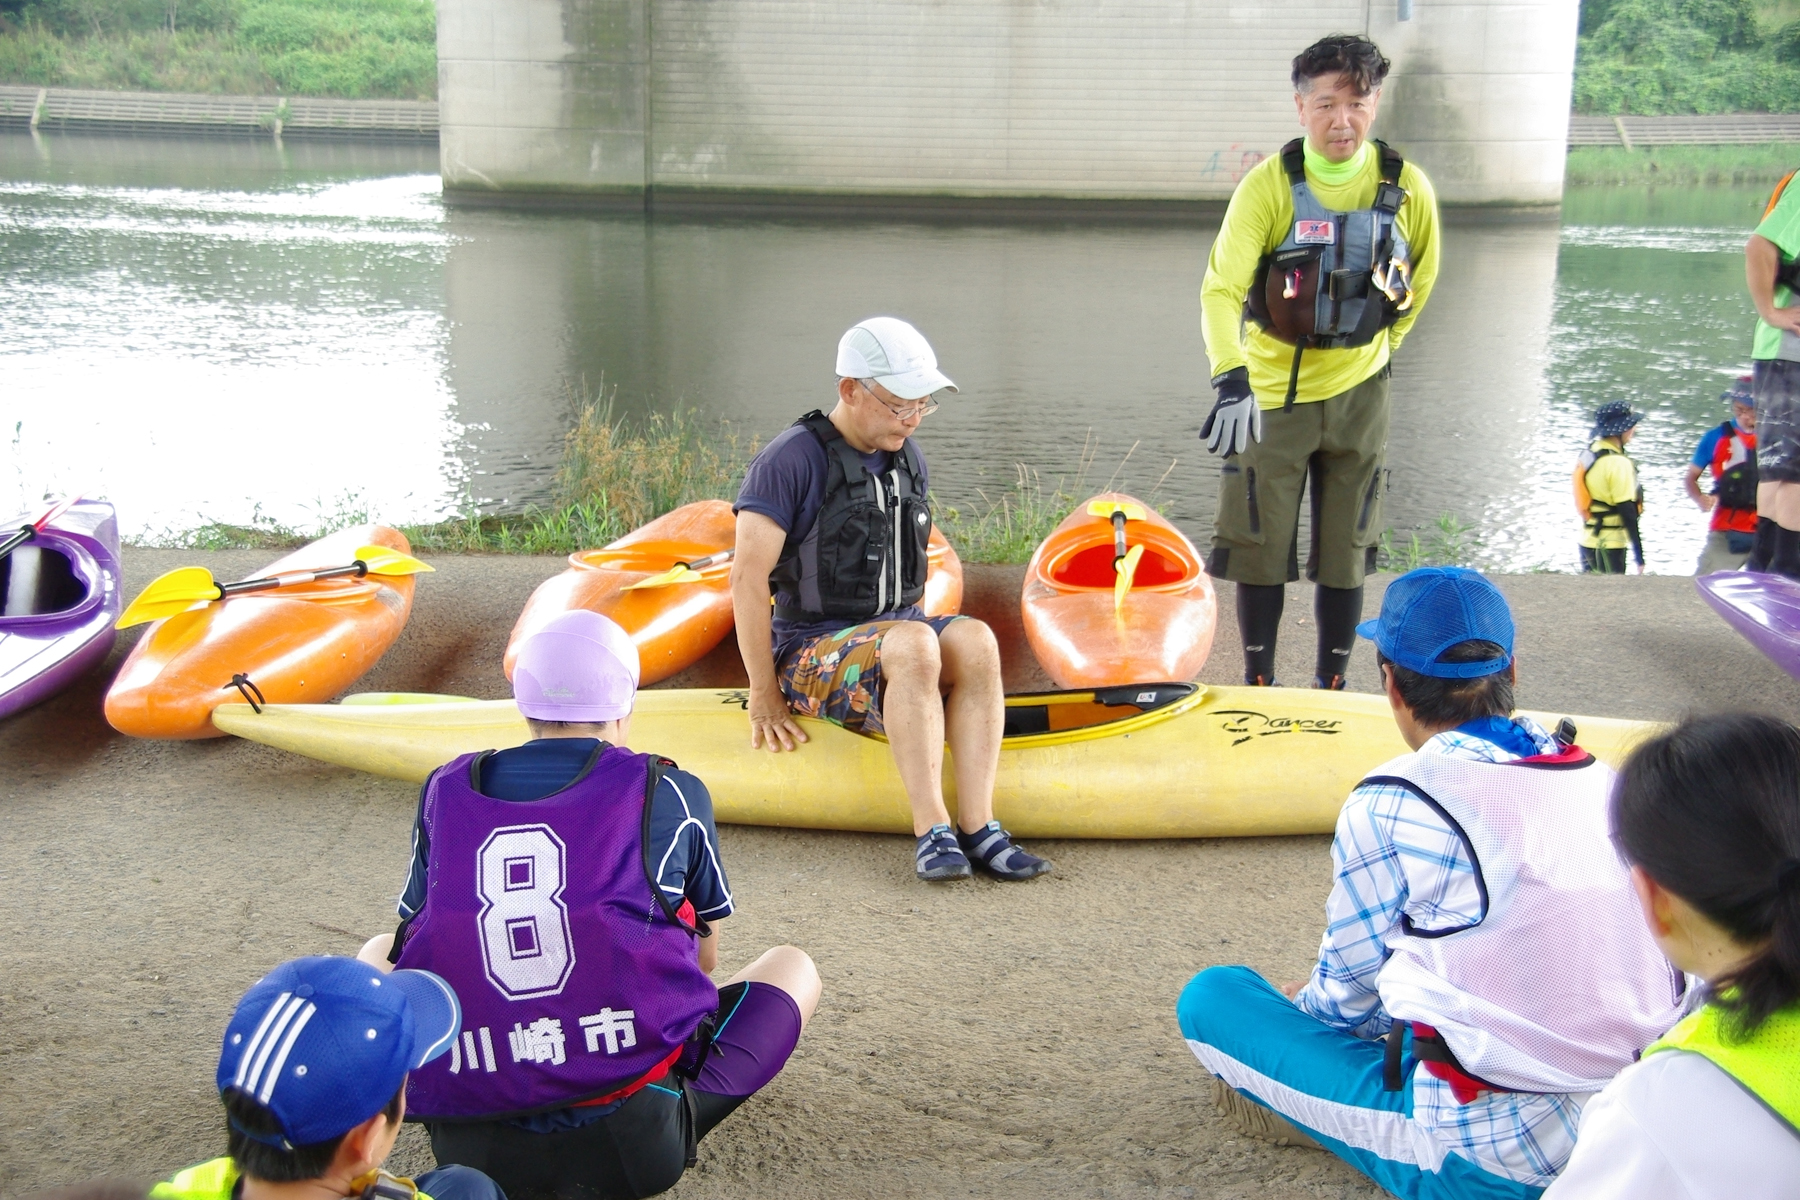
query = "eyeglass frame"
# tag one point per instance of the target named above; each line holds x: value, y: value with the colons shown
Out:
x: 923, y: 408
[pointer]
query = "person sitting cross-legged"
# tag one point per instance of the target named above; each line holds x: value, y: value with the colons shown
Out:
x: 1479, y: 919
x: 569, y: 889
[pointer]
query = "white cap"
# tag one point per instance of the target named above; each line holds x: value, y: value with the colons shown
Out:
x: 893, y: 354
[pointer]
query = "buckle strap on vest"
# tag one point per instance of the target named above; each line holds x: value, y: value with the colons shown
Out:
x: 1434, y: 1054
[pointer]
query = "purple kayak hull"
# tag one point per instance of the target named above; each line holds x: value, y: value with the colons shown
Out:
x: 1764, y: 608
x: 43, y: 652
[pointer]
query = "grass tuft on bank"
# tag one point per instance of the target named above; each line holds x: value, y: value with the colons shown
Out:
x: 354, y: 49
x: 1680, y: 166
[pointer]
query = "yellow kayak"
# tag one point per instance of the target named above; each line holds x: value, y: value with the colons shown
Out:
x: 1145, y: 761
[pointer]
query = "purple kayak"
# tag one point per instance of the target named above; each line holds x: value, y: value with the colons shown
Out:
x: 1764, y: 608
x: 59, y: 597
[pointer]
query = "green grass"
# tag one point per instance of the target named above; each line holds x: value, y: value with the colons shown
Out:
x: 345, y: 48
x: 615, y: 475
x: 1688, y: 56
x: 1448, y: 543
x: 1681, y: 165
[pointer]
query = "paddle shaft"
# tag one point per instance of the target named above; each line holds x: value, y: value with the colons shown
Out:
x: 711, y: 560
x: 289, y: 579
x: 1118, y: 524
x: 27, y: 532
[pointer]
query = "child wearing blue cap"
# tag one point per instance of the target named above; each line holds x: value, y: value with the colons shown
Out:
x: 312, y: 1075
x: 1479, y: 921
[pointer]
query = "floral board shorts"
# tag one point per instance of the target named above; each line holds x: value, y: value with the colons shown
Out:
x: 837, y: 676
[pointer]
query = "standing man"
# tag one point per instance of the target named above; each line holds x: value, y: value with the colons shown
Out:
x: 833, y: 519
x: 1773, y: 274
x: 1729, y: 452
x: 1325, y: 258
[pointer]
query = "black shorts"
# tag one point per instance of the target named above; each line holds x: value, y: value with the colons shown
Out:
x: 1776, y: 386
x: 641, y: 1147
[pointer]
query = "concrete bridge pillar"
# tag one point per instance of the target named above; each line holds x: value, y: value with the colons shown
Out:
x: 545, y: 97
x: 972, y: 103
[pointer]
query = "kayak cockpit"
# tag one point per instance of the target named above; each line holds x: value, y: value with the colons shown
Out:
x: 1035, y: 714
x: 37, y: 581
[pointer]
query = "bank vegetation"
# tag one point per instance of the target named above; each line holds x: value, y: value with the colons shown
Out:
x: 345, y: 48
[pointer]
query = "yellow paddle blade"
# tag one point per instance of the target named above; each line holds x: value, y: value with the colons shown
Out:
x: 382, y: 560
x: 675, y: 574
x: 1127, y: 568
x: 1106, y: 508
x: 175, y: 592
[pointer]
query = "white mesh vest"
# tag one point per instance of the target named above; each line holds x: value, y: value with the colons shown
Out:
x: 1558, y: 987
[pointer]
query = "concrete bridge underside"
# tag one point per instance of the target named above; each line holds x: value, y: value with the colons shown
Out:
x: 974, y: 103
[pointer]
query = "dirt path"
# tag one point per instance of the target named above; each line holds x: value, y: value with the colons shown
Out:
x: 973, y: 1039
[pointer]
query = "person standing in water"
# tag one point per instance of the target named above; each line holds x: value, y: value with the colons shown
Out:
x: 1326, y: 257
x: 1772, y: 272
x: 1729, y: 451
x: 1608, y: 496
x: 1708, y: 817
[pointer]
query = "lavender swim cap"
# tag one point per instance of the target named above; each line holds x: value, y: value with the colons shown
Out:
x: 579, y: 667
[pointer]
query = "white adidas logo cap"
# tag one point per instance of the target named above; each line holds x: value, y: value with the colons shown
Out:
x: 893, y: 354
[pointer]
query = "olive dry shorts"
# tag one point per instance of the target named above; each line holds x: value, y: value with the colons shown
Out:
x: 1337, y: 444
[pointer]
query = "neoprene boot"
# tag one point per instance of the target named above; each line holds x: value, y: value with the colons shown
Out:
x: 1337, y: 611
x: 1762, y: 549
x: 1259, y: 622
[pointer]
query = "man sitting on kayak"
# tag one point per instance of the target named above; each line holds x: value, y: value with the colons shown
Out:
x: 565, y: 889
x: 834, y: 519
x: 1479, y: 918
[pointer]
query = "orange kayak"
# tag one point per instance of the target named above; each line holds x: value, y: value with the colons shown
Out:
x: 1085, y: 633
x: 673, y: 627
x: 676, y: 625
x: 307, y: 642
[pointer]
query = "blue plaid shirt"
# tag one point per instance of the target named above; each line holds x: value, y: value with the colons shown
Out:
x: 1393, y: 855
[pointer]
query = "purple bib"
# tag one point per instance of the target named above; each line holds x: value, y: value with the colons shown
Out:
x: 574, y: 981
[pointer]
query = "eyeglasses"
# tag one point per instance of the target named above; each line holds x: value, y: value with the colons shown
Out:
x: 922, y: 409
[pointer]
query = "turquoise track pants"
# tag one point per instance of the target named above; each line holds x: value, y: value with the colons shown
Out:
x: 1329, y: 1083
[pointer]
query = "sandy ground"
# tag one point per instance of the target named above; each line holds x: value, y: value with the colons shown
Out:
x: 974, y: 1039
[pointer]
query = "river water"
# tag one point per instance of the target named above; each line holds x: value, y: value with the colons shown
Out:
x: 228, y: 330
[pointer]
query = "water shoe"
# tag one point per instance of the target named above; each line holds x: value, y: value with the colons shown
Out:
x: 993, y: 848
x: 940, y: 857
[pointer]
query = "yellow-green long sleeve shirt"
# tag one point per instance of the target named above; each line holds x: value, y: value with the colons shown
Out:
x: 1258, y: 219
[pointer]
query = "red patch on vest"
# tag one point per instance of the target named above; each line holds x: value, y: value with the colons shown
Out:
x: 1315, y: 233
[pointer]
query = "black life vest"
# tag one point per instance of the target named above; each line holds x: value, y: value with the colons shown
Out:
x: 1338, y: 278
x: 1736, y: 486
x: 865, y: 555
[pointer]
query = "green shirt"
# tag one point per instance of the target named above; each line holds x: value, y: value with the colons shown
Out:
x: 215, y: 1180
x: 1781, y: 226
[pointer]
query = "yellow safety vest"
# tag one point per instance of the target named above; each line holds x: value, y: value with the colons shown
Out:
x: 1766, y: 1064
x: 215, y: 1180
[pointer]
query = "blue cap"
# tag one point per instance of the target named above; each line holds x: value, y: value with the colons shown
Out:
x: 1427, y: 611
x: 1741, y: 391
x: 325, y: 1043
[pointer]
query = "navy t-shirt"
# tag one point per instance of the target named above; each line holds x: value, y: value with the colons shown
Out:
x: 786, y: 483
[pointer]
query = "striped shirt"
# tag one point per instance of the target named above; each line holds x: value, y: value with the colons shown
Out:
x: 1395, y: 857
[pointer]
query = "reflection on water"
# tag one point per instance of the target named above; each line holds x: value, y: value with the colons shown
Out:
x: 207, y: 330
